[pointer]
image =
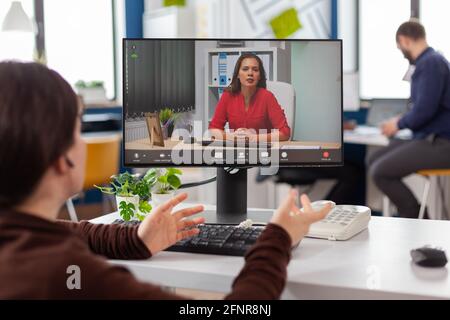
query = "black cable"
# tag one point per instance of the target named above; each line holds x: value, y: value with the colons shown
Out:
x: 196, y: 184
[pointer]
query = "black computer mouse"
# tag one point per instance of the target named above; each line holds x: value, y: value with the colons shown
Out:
x: 428, y: 256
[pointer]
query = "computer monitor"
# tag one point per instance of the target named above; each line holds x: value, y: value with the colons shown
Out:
x: 237, y: 104
x: 384, y: 109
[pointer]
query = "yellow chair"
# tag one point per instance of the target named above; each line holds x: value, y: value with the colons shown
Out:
x: 102, y: 161
x: 432, y: 175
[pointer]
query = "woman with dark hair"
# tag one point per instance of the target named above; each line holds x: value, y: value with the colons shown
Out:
x: 249, y: 108
x: 42, y: 158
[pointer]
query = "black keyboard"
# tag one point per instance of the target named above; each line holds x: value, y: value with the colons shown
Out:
x: 221, y: 239
x: 235, y: 144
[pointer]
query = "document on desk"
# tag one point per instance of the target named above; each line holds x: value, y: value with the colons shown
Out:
x: 404, y: 134
x: 366, y: 135
x: 367, y: 131
x: 371, y: 135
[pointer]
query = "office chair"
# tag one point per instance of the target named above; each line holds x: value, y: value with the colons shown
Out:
x: 102, y: 161
x: 285, y: 95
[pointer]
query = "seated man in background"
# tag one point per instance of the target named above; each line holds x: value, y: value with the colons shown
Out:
x: 42, y: 157
x: 428, y: 119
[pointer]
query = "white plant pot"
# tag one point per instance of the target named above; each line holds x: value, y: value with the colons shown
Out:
x: 134, y: 200
x: 93, y: 95
x: 158, y: 198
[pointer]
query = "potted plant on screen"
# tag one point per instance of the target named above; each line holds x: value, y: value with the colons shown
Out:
x: 168, y: 118
x: 167, y: 182
x: 132, y: 194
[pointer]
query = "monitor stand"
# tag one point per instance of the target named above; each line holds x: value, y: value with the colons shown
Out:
x: 232, y: 200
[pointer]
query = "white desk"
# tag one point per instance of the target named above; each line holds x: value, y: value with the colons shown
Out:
x: 375, y: 264
x: 365, y: 135
x: 372, y: 136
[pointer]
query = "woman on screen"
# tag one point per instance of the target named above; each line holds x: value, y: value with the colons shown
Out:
x: 249, y: 108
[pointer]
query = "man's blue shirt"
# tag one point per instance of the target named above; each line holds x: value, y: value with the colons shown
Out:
x: 430, y: 97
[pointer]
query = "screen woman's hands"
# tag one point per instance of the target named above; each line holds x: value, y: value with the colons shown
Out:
x: 297, y: 223
x: 163, y: 228
x: 243, y: 135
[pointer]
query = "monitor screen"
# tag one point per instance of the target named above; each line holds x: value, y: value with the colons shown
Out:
x: 196, y: 102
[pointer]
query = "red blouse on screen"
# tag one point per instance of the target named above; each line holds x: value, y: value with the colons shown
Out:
x: 264, y: 112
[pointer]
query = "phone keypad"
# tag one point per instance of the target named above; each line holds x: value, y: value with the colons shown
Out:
x: 342, y: 216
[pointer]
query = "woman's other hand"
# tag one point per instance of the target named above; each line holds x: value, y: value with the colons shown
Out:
x: 163, y: 228
x: 297, y: 223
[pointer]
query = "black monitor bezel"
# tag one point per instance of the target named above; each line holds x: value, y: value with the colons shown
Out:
x: 224, y: 165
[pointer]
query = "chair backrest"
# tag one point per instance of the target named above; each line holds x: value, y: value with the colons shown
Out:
x: 285, y: 94
x: 102, y: 160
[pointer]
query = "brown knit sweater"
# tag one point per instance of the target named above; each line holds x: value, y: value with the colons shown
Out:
x: 35, y: 255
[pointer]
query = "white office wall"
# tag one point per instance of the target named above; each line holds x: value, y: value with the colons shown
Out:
x: 169, y: 22
x: 237, y: 18
x: 316, y: 77
x: 250, y: 18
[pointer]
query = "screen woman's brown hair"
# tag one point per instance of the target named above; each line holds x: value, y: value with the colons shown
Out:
x: 235, y: 85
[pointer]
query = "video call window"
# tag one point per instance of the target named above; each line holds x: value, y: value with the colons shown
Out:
x: 225, y: 102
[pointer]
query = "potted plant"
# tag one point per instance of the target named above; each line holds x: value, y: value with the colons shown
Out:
x: 132, y: 194
x: 92, y: 91
x: 167, y: 181
x: 168, y: 118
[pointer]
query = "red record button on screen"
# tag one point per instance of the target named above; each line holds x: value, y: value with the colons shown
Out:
x: 326, y: 154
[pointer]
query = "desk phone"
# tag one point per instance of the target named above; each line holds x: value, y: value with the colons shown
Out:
x: 342, y: 223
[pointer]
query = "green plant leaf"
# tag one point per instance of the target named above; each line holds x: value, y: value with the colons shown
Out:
x: 80, y: 84
x: 107, y: 190
x: 140, y: 217
x: 95, y: 84
x: 150, y: 177
x: 150, y: 174
x: 144, y: 206
x: 126, y: 210
x: 165, y: 114
x: 162, y: 179
x: 174, y: 171
x: 174, y: 181
x: 142, y: 189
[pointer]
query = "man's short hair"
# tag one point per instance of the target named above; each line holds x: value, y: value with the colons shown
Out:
x: 412, y: 29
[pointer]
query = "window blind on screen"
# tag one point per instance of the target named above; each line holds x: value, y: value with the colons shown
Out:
x: 160, y: 75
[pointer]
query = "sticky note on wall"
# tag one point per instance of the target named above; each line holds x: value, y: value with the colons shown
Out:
x: 180, y: 3
x: 286, y: 23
